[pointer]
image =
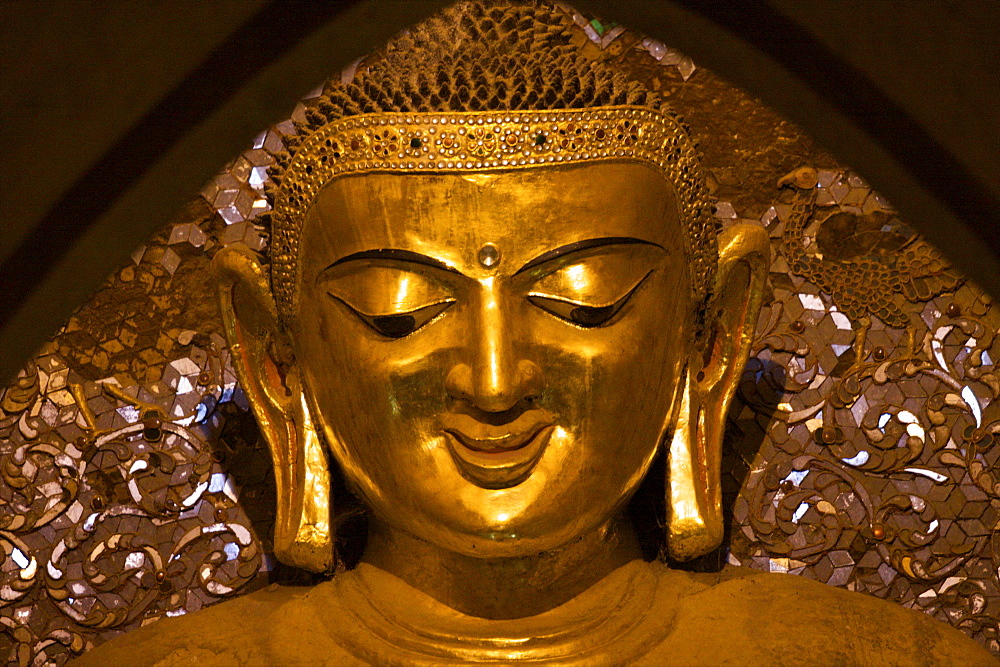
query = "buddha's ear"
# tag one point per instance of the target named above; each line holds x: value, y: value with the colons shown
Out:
x: 694, y: 491
x: 265, y: 365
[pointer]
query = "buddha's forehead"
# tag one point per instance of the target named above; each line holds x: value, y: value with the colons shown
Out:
x: 525, y: 213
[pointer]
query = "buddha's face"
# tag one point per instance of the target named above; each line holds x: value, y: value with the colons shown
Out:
x: 493, y: 358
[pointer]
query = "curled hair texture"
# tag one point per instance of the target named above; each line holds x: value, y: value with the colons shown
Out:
x: 485, y: 56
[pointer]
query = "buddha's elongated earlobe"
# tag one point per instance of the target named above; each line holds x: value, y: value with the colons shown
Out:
x: 694, y: 498
x: 694, y: 491
x: 268, y: 374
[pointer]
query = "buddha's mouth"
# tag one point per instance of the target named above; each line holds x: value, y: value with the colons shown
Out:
x: 497, y: 457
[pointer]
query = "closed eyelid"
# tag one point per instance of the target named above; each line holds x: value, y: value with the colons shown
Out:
x: 595, y: 279
x: 585, y: 315
x: 401, y: 324
x: 385, y: 289
x: 619, y: 296
x: 565, y: 252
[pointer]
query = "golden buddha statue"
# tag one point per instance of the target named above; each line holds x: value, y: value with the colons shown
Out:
x: 493, y: 296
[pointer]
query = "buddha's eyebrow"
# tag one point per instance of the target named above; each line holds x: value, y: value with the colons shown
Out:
x: 394, y: 254
x: 584, y: 245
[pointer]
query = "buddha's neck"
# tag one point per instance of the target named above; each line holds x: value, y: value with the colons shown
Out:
x: 502, y: 588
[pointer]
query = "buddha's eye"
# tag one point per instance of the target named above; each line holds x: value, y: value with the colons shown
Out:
x: 393, y: 301
x: 399, y: 325
x: 581, y: 314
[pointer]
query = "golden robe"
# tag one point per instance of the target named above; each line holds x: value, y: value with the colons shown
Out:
x: 640, y: 614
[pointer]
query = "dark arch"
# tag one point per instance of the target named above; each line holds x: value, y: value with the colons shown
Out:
x: 255, y: 75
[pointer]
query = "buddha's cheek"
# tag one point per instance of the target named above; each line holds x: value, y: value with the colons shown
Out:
x: 376, y: 404
x: 614, y: 404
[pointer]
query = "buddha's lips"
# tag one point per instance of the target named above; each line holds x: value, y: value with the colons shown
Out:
x: 498, y: 456
x: 488, y: 438
x: 507, y: 443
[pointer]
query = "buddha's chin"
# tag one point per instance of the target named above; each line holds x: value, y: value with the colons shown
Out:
x: 491, y: 537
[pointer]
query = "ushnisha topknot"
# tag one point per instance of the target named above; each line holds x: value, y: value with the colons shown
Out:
x: 481, y: 85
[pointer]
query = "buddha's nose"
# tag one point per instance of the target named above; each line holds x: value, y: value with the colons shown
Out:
x: 493, y: 377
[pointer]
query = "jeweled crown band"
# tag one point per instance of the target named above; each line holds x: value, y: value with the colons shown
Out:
x: 437, y: 142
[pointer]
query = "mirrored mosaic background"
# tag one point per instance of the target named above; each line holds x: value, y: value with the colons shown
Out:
x: 860, y: 451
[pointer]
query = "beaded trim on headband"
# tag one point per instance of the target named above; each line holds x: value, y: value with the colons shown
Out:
x: 463, y: 141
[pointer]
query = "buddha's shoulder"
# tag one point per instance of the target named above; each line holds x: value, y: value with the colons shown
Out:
x: 739, y: 616
x: 268, y: 626
x: 749, y: 617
